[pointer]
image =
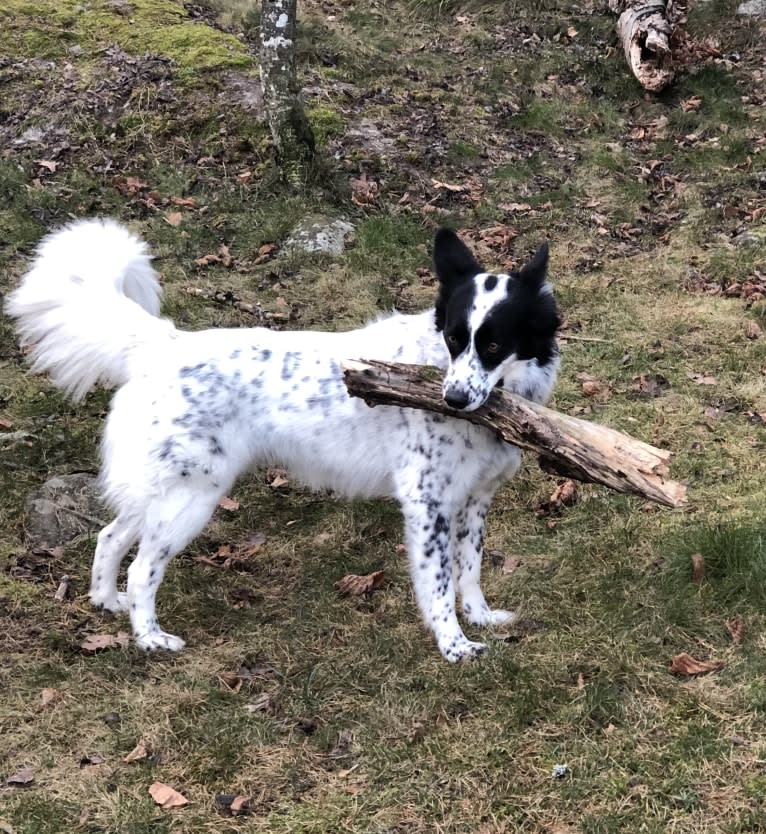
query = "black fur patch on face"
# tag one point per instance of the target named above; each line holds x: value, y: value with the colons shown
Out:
x: 455, y: 266
x: 523, y: 323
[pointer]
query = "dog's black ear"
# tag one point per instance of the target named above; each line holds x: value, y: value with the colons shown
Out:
x: 533, y: 273
x: 453, y: 260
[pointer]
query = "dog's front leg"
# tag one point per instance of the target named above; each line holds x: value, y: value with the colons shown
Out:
x: 468, y: 545
x: 429, y: 541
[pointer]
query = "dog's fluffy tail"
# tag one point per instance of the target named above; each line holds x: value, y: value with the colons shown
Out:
x: 88, y: 304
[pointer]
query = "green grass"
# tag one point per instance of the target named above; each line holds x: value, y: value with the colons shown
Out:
x: 365, y: 728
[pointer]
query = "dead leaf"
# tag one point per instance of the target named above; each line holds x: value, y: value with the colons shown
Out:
x: 138, y: 753
x: 649, y: 385
x: 99, y: 642
x: 735, y: 626
x: 166, y: 796
x: 753, y: 330
x: 702, y: 379
x: 571, y: 32
x: 227, y: 503
x: 691, y: 105
x: 230, y: 680
x: 265, y: 252
x: 564, y: 495
x: 698, y: 568
x: 276, y: 477
x: 263, y: 703
x: 91, y: 759
x: 5, y: 423
x: 173, y: 218
x: 6, y: 827
x: 513, y: 208
x: 364, y: 192
x: 685, y: 665
x: 185, y: 202
x: 580, y: 681
x: 22, y: 778
x: 510, y: 563
x: 360, y: 585
x: 448, y: 186
x: 592, y: 386
x: 48, y: 164
x: 48, y: 696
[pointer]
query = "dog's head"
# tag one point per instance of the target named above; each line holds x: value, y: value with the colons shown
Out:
x: 496, y: 327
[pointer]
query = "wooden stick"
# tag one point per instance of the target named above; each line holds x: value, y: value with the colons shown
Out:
x: 576, y: 448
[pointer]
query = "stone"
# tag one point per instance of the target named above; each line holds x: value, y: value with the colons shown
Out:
x: 320, y: 234
x: 753, y: 8
x: 65, y: 507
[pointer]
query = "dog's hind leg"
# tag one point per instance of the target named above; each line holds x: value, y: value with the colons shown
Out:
x: 468, y: 545
x: 173, y: 520
x: 114, y: 541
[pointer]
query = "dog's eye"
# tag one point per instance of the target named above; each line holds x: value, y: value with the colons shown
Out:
x: 493, y: 347
x: 452, y: 341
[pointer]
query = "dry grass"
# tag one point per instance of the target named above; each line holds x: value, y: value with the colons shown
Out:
x: 345, y: 719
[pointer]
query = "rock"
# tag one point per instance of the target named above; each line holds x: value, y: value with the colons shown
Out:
x: 320, y: 234
x: 750, y: 238
x: 753, y: 8
x: 65, y: 506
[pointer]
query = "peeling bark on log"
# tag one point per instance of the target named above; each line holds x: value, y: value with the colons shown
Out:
x: 647, y: 30
x: 290, y: 130
x: 585, y: 451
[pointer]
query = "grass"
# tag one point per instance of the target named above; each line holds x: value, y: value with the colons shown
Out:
x: 345, y: 718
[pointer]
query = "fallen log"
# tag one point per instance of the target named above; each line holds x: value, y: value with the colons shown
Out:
x: 581, y: 450
x: 647, y: 30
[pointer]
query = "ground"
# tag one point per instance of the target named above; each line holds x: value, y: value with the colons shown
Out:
x: 513, y: 122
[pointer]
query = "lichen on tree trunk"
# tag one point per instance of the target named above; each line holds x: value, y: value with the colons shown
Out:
x: 291, y: 133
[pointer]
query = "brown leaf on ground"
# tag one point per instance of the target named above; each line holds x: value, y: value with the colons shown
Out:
x: 698, y: 568
x: 99, y: 642
x: 364, y: 192
x: 234, y: 804
x: 685, y: 665
x: 91, y: 759
x: 230, y: 681
x: 227, y: 503
x: 360, y: 585
x: 753, y: 330
x: 221, y: 256
x: 592, y: 386
x: 736, y: 627
x: 185, y: 202
x: 649, y: 385
x: 166, y: 796
x: 173, y: 218
x: 48, y: 164
x: 22, y: 778
x: 265, y: 253
x: 510, y: 564
x: 564, y: 495
x: 138, y: 753
x: 5, y: 424
x: 691, y: 105
x: 702, y: 379
x: 48, y: 696
x: 276, y: 477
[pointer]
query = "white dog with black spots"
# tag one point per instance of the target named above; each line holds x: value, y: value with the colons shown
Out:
x: 194, y: 410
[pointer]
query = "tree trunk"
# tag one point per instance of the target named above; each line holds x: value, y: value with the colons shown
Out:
x: 647, y: 30
x: 290, y: 130
x: 567, y: 445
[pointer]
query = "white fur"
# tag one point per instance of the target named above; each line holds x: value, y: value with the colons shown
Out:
x: 195, y: 410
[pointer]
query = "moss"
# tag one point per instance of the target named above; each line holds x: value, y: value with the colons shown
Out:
x: 325, y: 122
x: 50, y: 27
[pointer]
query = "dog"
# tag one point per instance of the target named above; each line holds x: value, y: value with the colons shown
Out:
x: 193, y: 410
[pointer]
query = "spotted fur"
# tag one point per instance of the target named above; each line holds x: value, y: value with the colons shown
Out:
x: 194, y: 410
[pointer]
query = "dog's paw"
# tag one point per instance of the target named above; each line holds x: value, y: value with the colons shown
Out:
x: 495, y: 617
x: 154, y: 640
x: 116, y: 603
x: 462, y: 649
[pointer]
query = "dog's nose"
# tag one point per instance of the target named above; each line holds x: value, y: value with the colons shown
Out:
x: 456, y: 399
